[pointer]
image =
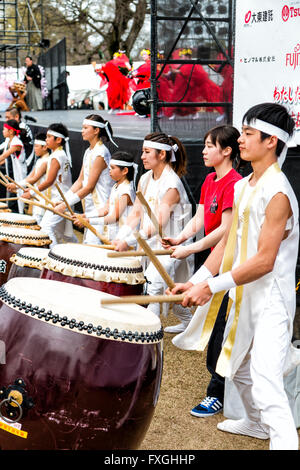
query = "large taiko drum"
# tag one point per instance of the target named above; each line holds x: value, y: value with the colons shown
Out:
x: 90, y: 267
x: 14, y: 219
x: 4, y: 207
x: 12, y: 239
x: 75, y: 375
x: 27, y: 262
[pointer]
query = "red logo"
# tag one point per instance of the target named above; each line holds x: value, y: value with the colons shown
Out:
x: 285, y: 13
x: 248, y: 17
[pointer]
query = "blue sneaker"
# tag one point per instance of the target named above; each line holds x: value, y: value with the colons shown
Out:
x: 208, y: 407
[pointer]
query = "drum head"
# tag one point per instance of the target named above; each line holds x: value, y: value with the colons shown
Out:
x: 30, y: 257
x: 18, y: 220
x: 80, y: 260
x: 24, y: 236
x: 79, y: 308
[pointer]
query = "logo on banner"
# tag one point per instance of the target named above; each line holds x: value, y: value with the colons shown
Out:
x: 292, y: 59
x: 263, y: 16
x: 289, y: 12
x: 248, y: 17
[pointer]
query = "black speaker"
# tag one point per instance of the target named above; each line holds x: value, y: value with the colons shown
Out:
x: 141, y: 101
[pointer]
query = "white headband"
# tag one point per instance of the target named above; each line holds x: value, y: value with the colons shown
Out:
x: 123, y: 163
x: 157, y: 145
x: 58, y: 134
x: 90, y: 122
x: 270, y: 129
x: 39, y: 142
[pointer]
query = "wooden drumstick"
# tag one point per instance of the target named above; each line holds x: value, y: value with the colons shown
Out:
x: 48, y: 208
x: 9, y: 199
x: 64, y: 199
x: 43, y: 196
x: 142, y: 299
x: 4, y: 178
x: 118, y: 254
x: 144, y: 245
x: 2, y: 182
x: 104, y: 247
x: 93, y: 230
x: 148, y: 210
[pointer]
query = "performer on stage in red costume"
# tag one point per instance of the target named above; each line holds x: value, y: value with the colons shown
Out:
x: 142, y: 74
x: 118, y: 91
x: 192, y: 84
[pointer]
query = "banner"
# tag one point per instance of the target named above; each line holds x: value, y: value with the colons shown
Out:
x: 267, y: 57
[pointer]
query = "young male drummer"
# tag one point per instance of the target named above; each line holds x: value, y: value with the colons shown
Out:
x: 257, y: 258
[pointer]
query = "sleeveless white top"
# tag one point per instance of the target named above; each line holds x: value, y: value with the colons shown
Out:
x: 100, y: 195
x: 256, y: 294
x: 63, y: 177
x: 116, y: 193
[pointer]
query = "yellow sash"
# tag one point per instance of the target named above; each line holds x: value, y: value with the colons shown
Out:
x: 227, y: 266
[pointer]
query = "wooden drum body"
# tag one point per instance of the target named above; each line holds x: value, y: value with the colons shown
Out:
x: 75, y: 375
x: 27, y: 262
x: 90, y: 267
x: 12, y: 239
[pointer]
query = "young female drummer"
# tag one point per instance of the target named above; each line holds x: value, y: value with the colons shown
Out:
x: 14, y: 157
x: 94, y: 183
x: 38, y: 173
x: 165, y: 159
x: 122, y: 196
x: 58, y: 172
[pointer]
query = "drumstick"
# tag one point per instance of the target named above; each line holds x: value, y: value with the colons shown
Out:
x: 9, y: 198
x: 14, y: 182
x: 48, y: 208
x: 142, y: 299
x: 2, y: 182
x: 105, y: 247
x: 150, y: 213
x: 4, y: 178
x: 93, y: 230
x: 118, y: 254
x: 43, y: 196
x: 166, y: 277
x: 64, y: 199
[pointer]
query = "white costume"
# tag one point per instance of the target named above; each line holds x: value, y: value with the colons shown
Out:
x: 100, y: 194
x: 38, y: 212
x: 260, y: 318
x: 179, y: 270
x: 18, y: 168
x: 125, y: 188
x: 58, y: 228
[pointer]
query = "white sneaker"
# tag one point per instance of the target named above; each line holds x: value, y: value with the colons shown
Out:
x: 244, y: 427
x: 175, y: 328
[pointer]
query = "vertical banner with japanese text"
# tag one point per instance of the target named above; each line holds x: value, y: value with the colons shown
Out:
x: 267, y: 57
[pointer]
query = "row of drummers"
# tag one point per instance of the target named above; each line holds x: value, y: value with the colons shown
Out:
x: 74, y: 374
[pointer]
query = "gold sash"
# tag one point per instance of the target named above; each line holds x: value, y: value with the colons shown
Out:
x: 227, y: 266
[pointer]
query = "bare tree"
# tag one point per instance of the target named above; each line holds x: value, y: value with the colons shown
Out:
x: 95, y: 28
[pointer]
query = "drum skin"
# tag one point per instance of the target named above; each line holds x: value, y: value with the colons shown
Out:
x: 114, y: 288
x: 89, y: 393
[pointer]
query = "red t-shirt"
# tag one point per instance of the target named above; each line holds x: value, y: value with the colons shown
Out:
x: 217, y: 196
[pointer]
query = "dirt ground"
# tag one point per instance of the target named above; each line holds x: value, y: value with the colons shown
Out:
x: 184, y: 383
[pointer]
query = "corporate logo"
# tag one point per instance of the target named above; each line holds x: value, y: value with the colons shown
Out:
x: 292, y: 59
x: 252, y: 17
x: 290, y: 12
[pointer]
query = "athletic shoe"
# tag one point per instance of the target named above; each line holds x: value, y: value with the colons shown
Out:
x: 175, y: 328
x: 244, y: 427
x: 208, y: 407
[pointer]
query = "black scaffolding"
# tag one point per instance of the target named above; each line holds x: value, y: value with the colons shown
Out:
x: 205, y: 29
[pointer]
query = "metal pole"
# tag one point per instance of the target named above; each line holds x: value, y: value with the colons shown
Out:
x: 153, y: 103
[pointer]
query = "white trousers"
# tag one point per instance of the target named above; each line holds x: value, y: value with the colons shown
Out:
x: 57, y: 228
x: 259, y: 379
